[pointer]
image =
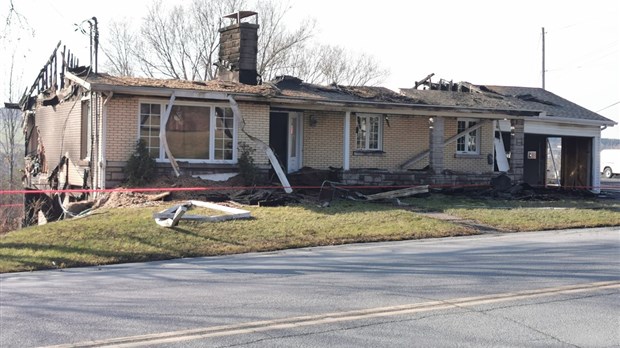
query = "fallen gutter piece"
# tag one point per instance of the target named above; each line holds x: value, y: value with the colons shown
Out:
x: 272, y: 157
x: 179, y: 211
x: 406, y: 192
x: 170, y: 217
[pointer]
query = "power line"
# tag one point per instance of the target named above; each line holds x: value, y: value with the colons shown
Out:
x: 608, y: 106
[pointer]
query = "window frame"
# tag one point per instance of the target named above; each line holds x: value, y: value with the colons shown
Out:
x: 366, y: 147
x: 162, y: 158
x: 466, y: 137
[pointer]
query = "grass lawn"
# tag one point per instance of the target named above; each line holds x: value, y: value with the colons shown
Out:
x: 514, y: 215
x: 131, y: 235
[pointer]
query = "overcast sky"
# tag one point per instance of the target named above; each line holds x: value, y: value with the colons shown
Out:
x: 483, y: 42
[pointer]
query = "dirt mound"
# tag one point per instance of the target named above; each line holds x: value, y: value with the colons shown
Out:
x: 128, y: 199
x: 197, y: 189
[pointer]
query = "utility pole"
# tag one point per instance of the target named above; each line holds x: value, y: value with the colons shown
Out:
x: 543, y: 57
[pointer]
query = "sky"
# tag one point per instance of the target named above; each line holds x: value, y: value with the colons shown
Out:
x: 479, y: 41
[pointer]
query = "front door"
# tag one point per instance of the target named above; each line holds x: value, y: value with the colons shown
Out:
x: 294, y: 143
x: 285, y: 129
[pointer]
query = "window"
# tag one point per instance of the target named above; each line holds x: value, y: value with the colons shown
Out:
x: 85, y: 131
x: 369, y: 132
x: 194, y: 132
x: 150, y: 116
x: 468, y: 143
x: 224, y: 131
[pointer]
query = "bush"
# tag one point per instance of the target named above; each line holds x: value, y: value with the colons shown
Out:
x: 140, y: 168
x: 247, y: 168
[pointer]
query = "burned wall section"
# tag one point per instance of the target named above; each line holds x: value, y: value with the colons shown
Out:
x: 53, y: 132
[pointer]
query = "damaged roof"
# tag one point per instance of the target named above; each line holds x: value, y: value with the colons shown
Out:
x: 508, y: 97
x: 101, y: 80
x: 520, y: 100
x: 293, y: 87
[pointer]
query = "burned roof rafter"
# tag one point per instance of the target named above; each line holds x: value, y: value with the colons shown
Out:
x: 50, y: 76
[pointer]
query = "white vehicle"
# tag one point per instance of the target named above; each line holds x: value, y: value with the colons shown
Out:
x: 610, y: 162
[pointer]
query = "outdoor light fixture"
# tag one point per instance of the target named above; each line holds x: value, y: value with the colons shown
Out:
x: 312, y: 120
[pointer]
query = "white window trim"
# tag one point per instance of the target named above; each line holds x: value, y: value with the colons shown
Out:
x: 367, y: 140
x: 467, y: 136
x: 162, y: 155
x: 89, y: 127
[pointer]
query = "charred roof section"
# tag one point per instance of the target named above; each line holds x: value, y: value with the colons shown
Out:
x: 465, y: 94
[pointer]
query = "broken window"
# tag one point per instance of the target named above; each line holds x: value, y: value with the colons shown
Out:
x: 193, y: 132
x: 188, y: 131
x: 468, y: 143
x: 369, y: 132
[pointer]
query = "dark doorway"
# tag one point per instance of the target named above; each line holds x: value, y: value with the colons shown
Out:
x: 535, y: 162
x: 576, y: 162
x: 278, y: 141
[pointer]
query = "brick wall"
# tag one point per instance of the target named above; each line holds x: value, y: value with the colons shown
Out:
x: 122, y: 127
x: 405, y: 137
x: 322, y: 146
x: 256, y: 118
x: 469, y: 163
x: 123, y: 132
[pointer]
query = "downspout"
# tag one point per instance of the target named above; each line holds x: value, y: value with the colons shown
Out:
x: 346, y: 141
x: 91, y: 148
x: 103, y: 142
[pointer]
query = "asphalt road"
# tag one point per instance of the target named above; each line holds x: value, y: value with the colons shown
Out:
x: 524, y: 289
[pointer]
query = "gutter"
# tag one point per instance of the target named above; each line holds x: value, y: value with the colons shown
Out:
x: 407, y: 109
x: 543, y: 116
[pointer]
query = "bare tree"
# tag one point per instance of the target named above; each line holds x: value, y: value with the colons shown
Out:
x: 208, y: 16
x: 327, y: 64
x: 13, y: 18
x: 180, y: 43
x: 121, y: 51
x: 275, y: 43
x: 10, y: 125
x: 183, y: 43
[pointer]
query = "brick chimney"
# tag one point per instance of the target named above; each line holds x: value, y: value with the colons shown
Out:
x: 239, y: 49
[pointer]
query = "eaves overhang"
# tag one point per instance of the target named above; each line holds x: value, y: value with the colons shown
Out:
x: 397, y: 108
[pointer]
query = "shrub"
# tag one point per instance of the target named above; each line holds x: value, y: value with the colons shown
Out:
x: 247, y: 168
x: 140, y: 168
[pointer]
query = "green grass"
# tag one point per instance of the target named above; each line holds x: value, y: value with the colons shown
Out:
x: 131, y: 235
x: 514, y: 215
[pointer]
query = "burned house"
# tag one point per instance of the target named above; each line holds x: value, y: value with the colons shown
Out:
x: 82, y: 127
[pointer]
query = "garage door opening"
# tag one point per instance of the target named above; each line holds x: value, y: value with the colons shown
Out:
x: 552, y: 161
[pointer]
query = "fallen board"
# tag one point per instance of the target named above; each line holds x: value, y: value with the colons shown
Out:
x: 409, y: 191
